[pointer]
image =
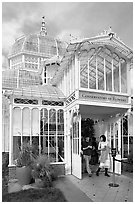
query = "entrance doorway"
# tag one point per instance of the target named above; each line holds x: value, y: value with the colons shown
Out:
x: 105, y: 121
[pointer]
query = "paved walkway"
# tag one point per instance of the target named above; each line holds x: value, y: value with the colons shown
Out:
x: 70, y: 190
x: 97, y: 188
x: 89, y: 189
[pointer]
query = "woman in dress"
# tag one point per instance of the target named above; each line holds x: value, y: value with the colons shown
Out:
x: 104, y: 157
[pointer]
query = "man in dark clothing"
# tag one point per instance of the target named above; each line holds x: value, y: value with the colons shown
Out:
x: 87, y: 151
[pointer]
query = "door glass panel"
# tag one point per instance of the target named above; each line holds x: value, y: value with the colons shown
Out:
x: 75, y: 136
x: 116, y: 136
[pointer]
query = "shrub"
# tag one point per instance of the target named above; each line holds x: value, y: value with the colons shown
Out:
x: 25, y: 157
x: 5, y: 162
x: 42, y: 170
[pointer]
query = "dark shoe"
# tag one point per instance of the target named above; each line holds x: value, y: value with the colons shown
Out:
x: 106, y: 172
x: 107, y: 175
x: 97, y: 173
x: 90, y: 175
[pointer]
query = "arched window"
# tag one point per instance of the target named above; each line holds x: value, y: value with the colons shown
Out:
x: 35, y: 130
x: 26, y: 125
x: 44, y: 120
x: 17, y: 131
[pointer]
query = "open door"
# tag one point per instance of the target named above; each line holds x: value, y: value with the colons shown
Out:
x: 115, y: 130
x: 76, y: 147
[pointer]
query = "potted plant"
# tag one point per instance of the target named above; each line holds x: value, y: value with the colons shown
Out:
x: 42, y: 171
x: 24, y: 165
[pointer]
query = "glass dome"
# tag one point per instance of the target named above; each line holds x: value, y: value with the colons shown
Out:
x: 37, y: 44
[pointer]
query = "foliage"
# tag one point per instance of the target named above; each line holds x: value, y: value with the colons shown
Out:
x: 42, y: 170
x: 88, y: 128
x: 35, y: 195
x: 5, y: 162
x: 25, y: 156
x: 129, y: 165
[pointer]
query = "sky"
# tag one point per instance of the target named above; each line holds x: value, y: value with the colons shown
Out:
x: 80, y: 19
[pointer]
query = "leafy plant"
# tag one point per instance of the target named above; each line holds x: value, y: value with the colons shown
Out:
x: 25, y: 157
x: 88, y: 128
x: 42, y: 170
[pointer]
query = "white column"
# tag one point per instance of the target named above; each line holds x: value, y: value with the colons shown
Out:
x: 96, y: 74
x: 48, y: 134
x: 104, y: 75
x: 119, y: 135
x: 30, y: 126
x: 114, y: 137
x: 122, y: 146
x: 77, y: 72
x: 21, y: 126
x: 10, y: 135
x: 128, y: 131
x: 112, y: 75
x: 88, y: 74
x: 110, y: 133
x: 65, y: 136
x: 56, y: 138
x: 39, y: 131
x: 120, y: 76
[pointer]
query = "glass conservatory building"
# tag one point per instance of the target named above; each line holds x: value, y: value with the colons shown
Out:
x: 51, y: 87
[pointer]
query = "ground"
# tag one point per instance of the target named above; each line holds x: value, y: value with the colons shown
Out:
x: 50, y: 194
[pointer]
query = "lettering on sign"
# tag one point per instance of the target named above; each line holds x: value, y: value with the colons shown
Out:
x: 103, y: 97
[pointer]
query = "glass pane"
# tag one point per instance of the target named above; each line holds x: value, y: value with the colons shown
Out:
x: 17, y: 121
x: 44, y: 122
x: 26, y: 121
x: 44, y: 145
x: 26, y: 140
x: 92, y: 73
x: 116, y: 137
x: 123, y: 76
x: 52, y: 122
x: 108, y: 64
x: 16, y: 146
x: 116, y: 72
x: 35, y: 121
x: 60, y: 122
x: 100, y: 64
x: 35, y: 145
x: 52, y: 148
x: 84, y: 70
x: 61, y: 148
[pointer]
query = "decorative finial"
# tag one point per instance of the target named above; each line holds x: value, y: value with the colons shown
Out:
x: 43, y: 31
x: 110, y: 29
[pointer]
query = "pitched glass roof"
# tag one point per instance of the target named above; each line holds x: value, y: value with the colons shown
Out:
x: 107, y: 43
x: 47, y: 92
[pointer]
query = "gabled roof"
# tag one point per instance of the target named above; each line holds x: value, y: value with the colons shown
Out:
x: 107, y: 40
